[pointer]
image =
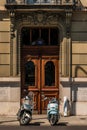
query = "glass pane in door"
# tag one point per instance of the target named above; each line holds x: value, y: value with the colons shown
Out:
x: 30, y: 73
x: 35, y: 35
x: 25, y: 36
x: 49, y: 74
x: 54, y: 36
x: 45, y: 35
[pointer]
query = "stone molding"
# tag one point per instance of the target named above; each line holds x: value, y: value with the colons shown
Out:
x: 7, y: 79
x: 66, y: 79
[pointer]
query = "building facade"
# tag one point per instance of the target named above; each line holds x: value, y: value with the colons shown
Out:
x: 43, y: 48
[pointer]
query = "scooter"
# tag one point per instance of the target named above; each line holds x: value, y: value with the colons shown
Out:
x: 53, y: 111
x: 24, y: 114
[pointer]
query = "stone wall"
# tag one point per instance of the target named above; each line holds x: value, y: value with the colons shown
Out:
x: 76, y: 92
x: 79, y: 44
x: 4, y: 46
x: 2, y: 2
x: 9, y: 96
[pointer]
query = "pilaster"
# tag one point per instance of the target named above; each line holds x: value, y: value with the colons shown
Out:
x: 12, y: 35
x: 68, y: 45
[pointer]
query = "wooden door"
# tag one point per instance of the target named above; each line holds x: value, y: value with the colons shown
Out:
x: 41, y: 76
x: 50, y: 79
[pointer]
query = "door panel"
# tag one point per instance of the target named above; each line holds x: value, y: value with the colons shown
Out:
x: 49, y: 94
x: 33, y: 79
x: 54, y: 62
x: 41, y: 76
x: 50, y: 79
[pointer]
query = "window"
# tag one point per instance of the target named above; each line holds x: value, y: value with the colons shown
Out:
x: 49, y: 74
x: 25, y: 36
x: 45, y: 36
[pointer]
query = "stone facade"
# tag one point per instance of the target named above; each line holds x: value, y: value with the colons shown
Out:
x: 73, y: 53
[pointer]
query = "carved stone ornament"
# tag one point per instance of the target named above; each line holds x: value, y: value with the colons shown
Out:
x: 41, y: 18
x: 52, y: 19
x: 12, y: 24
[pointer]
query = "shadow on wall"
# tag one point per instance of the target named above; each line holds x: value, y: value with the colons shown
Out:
x: 79, y: 94
x: 77, y: 68
x: 78, y: 89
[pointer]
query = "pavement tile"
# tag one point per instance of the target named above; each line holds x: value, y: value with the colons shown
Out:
x: 41, y: 120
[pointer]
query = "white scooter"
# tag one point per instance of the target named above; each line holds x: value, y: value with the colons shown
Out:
x: 24, y: 114
x: 52, y: 110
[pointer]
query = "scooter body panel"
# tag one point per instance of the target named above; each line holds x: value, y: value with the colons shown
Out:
x: 27, y: 107
x: 52, y: 108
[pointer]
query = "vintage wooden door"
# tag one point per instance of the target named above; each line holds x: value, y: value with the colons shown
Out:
x: 40, y: 74
x: 39, y: 63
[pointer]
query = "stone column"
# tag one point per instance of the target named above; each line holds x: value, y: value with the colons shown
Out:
x: 68, y: 44
x: 69, y: 54
x: 12, y: 35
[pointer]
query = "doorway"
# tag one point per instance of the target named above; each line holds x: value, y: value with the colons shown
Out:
x: 40, y: 65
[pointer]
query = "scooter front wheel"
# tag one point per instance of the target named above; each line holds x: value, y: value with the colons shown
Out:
x: 25, y: 119
x: 53, y: 120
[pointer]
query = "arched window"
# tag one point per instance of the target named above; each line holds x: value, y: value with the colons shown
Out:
x: 30, y: 73
x: 49, y: 74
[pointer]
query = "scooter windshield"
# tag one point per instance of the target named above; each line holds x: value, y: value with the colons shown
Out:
x: 27, y: 101
x: 53, y: 100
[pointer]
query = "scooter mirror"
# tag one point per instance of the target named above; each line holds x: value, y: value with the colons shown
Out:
x: 45, y: 98
x: 42, y: 95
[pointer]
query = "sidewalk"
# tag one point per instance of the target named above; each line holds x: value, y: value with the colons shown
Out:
x: 41, y: 120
